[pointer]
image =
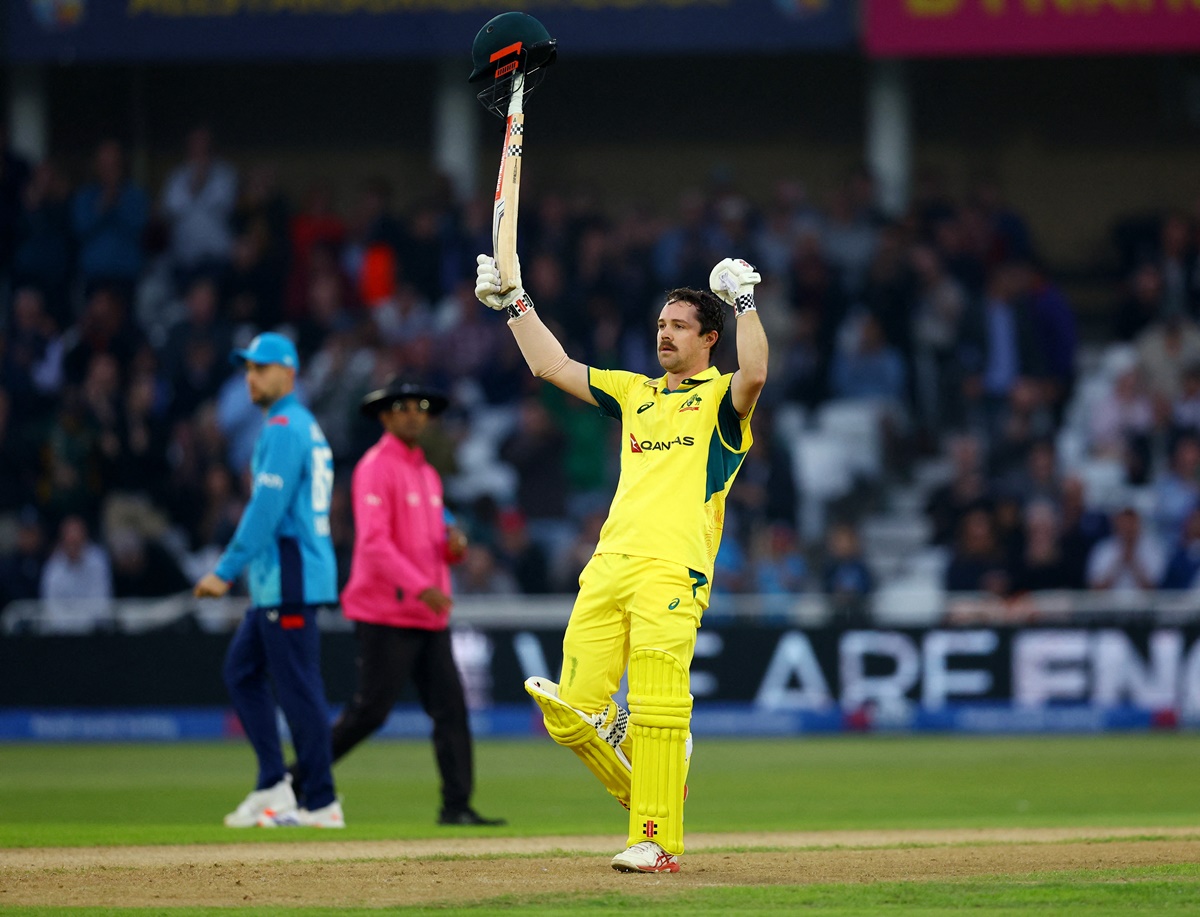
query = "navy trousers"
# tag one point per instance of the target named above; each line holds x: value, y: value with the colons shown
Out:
x: 281, y: 648
x: 388, y: 657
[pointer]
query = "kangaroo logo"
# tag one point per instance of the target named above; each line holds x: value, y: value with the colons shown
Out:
x: 692, y: 404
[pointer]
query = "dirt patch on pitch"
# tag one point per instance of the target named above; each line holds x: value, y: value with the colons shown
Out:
x: 471, y: 870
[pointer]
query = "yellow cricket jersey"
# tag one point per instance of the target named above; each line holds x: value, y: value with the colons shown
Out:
x: 680, y: 451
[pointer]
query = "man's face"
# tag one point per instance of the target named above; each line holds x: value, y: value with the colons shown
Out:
x: 406, y: 421
x: 268, y: 382
x: 680, y: 346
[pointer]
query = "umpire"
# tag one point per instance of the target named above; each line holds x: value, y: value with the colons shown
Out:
x: 398, y: 594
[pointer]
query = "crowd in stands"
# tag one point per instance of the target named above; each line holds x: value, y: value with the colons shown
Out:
x: 125, y: 433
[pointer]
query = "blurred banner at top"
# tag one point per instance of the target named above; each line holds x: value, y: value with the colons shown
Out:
x: 128, y: 30
x: 936, y: 28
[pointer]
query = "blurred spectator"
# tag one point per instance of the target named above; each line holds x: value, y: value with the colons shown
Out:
x: 966, y: 489
x: 317, y: 227
x: 778, y: 567
x: 77, y: 579
x: 521, y: 555
x: 731, y: 567
x: 1185, y: 410
x: 21, y: 568
x: 1129, y: 560
x: 104, y: 328
x: 1177, y: 261
x: 938, y: 310
x: 536, y: 448
x: 1000, y: 347
x: 1121, y: 425
x: 845, y: 577
x: 978, y: 563
x: 1184, y: 565
x: 109, y: 217
x: 1024, y: 424
x: 198, y: 201
x: 850, y: 240
x: 142, y: 568
x: 31, y: 363
x: 45, y: 248
x: 481, y: 574
x: 682, y: 251
x: 869, y: 368
x: 1177, y: 489
x: 1164, y: 349
x: 69, y: 480
x: 1009, y: 236
x: 202, y: 321
x: 1054, y: 322
x: 1082, y: 528
x: 259, y: 257
x: 1041, y: 564
x: 1142, y: 304
x: 1039, y: 478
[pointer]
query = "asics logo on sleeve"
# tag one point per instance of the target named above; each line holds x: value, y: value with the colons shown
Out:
x: 646, y: 406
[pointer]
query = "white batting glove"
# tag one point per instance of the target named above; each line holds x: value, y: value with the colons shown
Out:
x: 733, y: 280
x: 487, y: 289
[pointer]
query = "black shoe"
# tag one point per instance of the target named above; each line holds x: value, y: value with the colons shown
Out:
x: 467, y: 816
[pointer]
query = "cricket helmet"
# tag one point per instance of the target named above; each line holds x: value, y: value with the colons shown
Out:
x: 504, y: 31
x: 503, y: 36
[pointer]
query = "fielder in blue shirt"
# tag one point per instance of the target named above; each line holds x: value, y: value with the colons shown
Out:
x: 282, y: 544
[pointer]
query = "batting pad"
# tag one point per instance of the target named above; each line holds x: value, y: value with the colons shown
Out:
x: 660, y: 712
x: 601, y: 740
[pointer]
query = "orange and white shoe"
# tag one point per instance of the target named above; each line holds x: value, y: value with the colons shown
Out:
x: 276, y: 800
x: 646, y: 856
x: 329, y: 816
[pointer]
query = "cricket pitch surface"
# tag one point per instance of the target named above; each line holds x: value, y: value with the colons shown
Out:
x: 464, y: 871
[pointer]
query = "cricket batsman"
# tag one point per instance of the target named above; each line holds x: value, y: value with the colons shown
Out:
x: 641, y: 596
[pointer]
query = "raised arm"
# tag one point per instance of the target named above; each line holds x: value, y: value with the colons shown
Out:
x: 542, y: 351
x: 733, y: 280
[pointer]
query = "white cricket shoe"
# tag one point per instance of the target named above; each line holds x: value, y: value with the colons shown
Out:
x: 329, y: 816
x: 277, y: 798
x: 645, y: 856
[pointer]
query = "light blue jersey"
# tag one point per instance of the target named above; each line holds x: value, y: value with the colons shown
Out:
x: 283, y: 537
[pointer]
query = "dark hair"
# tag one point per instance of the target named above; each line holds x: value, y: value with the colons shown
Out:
x: 709, y: 309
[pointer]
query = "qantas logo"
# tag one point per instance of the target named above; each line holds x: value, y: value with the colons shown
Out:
x: 649, y: 445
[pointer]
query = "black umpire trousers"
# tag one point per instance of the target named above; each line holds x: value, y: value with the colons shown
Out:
x: 387, y: 658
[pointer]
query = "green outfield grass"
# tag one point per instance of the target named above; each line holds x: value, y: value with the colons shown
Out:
x: 55, y: 795
x: 163, y: 794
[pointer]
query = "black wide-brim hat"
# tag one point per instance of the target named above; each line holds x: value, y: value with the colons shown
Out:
x: 374, y: 403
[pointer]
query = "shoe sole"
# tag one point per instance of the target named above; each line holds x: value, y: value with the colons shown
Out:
x: 622, y: 867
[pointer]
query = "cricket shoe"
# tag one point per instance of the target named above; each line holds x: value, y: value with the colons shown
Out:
x: 645, y: 856
x: 329, y: 816
x: 274, y: 799
x: 467, y: 817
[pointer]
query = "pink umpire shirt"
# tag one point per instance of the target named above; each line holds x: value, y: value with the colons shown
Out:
x: 400, y: 546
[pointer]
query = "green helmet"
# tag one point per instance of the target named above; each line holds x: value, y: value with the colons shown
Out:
x: 511, y: 29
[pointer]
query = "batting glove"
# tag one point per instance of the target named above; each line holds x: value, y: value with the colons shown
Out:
x: 515, y: 302
x: 733, y: 280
